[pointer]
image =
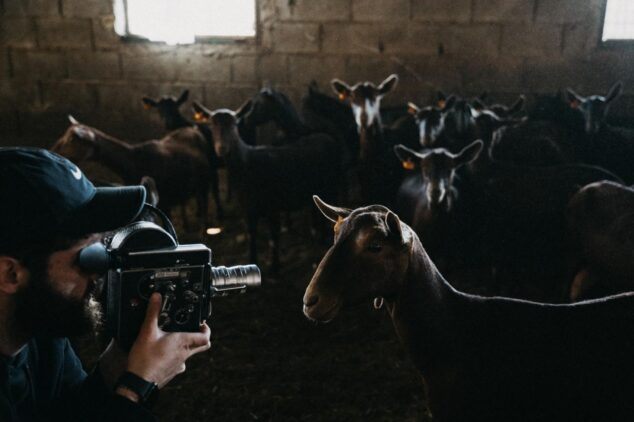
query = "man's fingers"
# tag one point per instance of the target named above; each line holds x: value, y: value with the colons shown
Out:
x: 150, y: 324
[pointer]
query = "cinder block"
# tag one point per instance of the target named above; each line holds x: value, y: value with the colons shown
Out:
x: 532, y: 40
x: 15, y: 94
x: 4, y: 65
x: 472, y: 40
x: 93, y: 65
x: 547, y: 75
x: 17, y: 32
x: 291, y: 37
x: 63, y: 33
x: 273, y: 67
x: 388, y: 38
x: 41, y: 129
x: 31, y: 8
x: 380, y: 10
x: 321, y: 68
x: 244, y: 69
x: 67, y: 97
x: 369, y: 68
x: 203, y: 67
x: 603, y: 68
x: 458, y: 11
x: 147, y: 62
x: 103, y: 31
x: 503, y: 10
x: 267, y: 10
x: 502, y: 74
x: 87, y: 8
x: 579, y: 40
x: 431, y: 74
x: 125, y: 96
x: 9, y: 128
x: 231, y: 97
x: 32, y: 65
x: 566, y: 11
x: 315, y: 11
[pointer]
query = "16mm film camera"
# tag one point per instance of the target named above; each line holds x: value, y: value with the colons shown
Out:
x: 143, y: 258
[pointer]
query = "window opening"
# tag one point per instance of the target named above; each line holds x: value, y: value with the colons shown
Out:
x: 185, y: 21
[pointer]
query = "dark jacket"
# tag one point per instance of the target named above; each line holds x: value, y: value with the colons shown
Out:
x: 46, y: 382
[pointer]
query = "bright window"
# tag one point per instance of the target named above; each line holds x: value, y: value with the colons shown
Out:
x: 182, y: 21
x: 619, y: 20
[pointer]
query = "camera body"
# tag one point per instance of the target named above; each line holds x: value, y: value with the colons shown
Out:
x: 143, y: 258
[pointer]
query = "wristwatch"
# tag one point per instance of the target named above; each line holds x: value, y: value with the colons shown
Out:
x: 146, y: 390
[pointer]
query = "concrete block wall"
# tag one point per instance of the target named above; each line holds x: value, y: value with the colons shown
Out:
x: 60, y: 57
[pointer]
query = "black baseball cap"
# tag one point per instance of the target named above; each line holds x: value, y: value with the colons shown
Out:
x: 43, y: 194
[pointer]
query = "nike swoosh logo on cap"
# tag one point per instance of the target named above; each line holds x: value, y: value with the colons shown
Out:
x: 76, y: 173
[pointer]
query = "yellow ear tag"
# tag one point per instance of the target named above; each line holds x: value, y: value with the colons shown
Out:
x: 342, y: 97
x: 146, y: 106
x: 408, y: 164
x: 441, y: 103
x: 200, y: 117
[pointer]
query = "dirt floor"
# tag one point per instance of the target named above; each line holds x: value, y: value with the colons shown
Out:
x: 269, y: 363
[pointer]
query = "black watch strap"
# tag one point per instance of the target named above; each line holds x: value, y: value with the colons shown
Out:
x: 144, y: 389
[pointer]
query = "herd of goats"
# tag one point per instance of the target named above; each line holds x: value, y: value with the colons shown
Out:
x: 497, y: 200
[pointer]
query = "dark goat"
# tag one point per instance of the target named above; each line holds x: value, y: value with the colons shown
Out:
x: 168, y: 108
x: 273, y: 179
x: 523, y: 212
x: 485, y: 359
x: 595, y: 107
x: 178, y: 162
x: 379, y: 172
x: 426, y: 201
x: 600, y: 227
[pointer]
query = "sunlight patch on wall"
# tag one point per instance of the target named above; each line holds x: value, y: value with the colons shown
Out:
x: 619, y: 20
x: 181, y: 21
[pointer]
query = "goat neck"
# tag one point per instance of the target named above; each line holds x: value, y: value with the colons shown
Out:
x: 421, y: 312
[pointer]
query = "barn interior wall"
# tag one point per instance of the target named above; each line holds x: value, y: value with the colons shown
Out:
x: 60, y: 57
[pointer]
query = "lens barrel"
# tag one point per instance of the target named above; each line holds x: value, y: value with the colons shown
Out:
x: 239, y: 275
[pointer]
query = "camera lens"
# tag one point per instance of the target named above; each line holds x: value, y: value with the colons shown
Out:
x: 240, y: 275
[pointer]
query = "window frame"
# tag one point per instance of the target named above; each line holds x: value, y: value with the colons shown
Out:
x: 610, y: 44
x: 198, y: 39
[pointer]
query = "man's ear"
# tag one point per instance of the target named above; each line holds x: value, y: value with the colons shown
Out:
x: 13, y: 275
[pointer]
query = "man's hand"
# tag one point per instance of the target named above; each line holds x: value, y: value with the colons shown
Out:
x: 158, y: 356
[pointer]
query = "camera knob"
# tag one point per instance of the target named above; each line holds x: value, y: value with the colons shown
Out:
x: 191, y: 297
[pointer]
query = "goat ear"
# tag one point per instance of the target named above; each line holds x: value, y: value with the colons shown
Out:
x: 517, y: 105
x: 477, y: 104
x: 388, y: 84
x: 468, y: 153
x: 332, y: 213
x: 393, y: 224
x: 244, y: 108
x: 615, y: 91
x: 201, y: 113
x: 574, y: 99
x: 449, y: 102
x: 84, y: 133
x: 342, y: 89
x: 405, y: 154
x: 183, y: 97
x: 72, y: 120
x: 148, y: 103
x: 150, y: 187
x: 412, y: 109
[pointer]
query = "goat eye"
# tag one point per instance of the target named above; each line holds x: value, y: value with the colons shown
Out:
x: 375, y: 246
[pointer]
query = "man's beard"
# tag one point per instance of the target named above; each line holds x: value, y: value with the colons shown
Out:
x: 40, y: 310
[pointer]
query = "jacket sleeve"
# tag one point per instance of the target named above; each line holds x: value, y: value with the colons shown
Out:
x: 87, y: 398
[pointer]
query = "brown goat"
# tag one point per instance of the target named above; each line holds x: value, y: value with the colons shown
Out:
x: 178, y: 162
x: 600, y: 230
x: 484, y: 359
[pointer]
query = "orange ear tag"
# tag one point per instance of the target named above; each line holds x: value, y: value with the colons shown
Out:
x: 338, y: 223
x: 342, y: 97
x: 408, y: 165
x: 146, y: 106
x: 200, y: 117
x: 441, y: 103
